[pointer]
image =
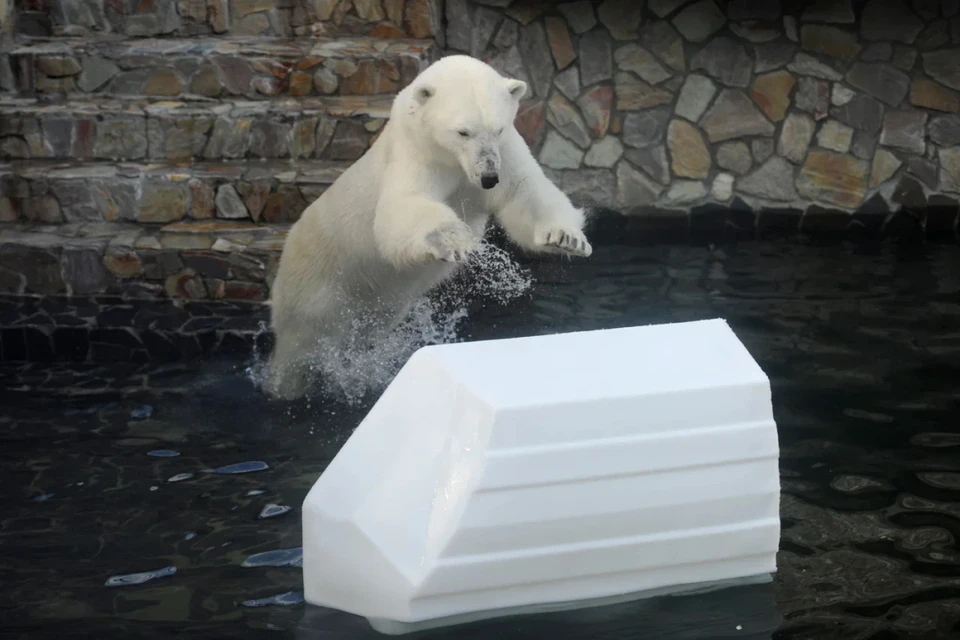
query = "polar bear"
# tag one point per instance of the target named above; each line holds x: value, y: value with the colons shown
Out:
x: 401, y: 219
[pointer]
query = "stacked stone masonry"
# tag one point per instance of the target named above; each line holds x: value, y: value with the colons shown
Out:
x: 666, y: 106
x: 185, y: 18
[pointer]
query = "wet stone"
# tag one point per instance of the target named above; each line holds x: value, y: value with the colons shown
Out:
x: 620, y: 17
x: 638, y: 60
x: 932, y: 95
x: 695, y: 96
x: 945, y: 130
x: 689, y: 154
x: 904, y: 130
x: 634, y: 189
x: 596, y: 58
x: 734, y: 115
x: 864, y: 144
x: 835, y: 136
x: 652, y: 160
x: 725, y: 60
x: 773, y: 55
x: 633, y: 94
x: 887, y: 84
x: 772, y: 91
x: 604, y: 153
x: 645, y: 128
x: 665, y: 43
x: 735, y: 157
x: 761, y: 148
x: 833, y: 179
x: 699, y: 21
x: 596, y: 106
x: 579, y: 15
x: 885, y: 165
x: 830, y: 41
x: 773, y: 180
x: 942, y: 66
x: 568, y: 82
x: 904, y: 57
x: 889, y: 20
x: 924, y: 170
x: 862, y: 112
x: 560, y: 153
x: 285, y: 205
x: 805, y: 64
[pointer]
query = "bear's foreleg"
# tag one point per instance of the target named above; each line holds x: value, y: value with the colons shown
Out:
x: 413, y: 229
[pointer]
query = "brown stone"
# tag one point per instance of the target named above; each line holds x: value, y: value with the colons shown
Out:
x: 833, y: 178
x: 830, y: 41
x: 122, y: 263
x: 771, y: 92
x: 689, y: 155
x: 201, y: 200
x: 186, y: 284
x: 163, y: 82
x: 418, y: 19
x: 235, y: 290
x: 371, y: 77
x: 733, y: 115
x: 206, y: 82
x: 560, y: 43
x: 219, y: 15
x: 285, y: 205
x: 634, y: 94
x: 596, y: 105
x: 58, y: 66
x: 885, y: 164
x: 301, y: 83
x: 254, y: 197
x: 8, y: 211
x: 933, y: 95
x: 950, y: 175
x: 531, y: 122
x: 162, y: 203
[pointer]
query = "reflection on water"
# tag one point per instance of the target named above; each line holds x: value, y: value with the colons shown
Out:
x: 159, y: 476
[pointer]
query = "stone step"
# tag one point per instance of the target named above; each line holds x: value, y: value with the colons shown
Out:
x: 193, y: 260
x: 329, y: 128
x: 377, y: 18
x: 51, y: 192
x: 207, y: 67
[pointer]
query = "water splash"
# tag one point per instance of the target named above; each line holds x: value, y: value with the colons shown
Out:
x: 139, y: 578
x: 292, y: 557
x: 180, y: 477
x: 142, y: 413
x: 367, y: 360
x: 241, y: 467
x: 287, y: 599
x: 255, y: 492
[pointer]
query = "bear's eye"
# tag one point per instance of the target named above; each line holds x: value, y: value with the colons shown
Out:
x: 464, y: 133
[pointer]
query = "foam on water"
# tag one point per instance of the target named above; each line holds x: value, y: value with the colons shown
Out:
x: 349, y: 371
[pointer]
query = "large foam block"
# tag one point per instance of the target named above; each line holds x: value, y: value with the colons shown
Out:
x: 512, y: 475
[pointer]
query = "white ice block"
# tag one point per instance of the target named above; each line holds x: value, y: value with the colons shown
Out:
x: 536, y: 473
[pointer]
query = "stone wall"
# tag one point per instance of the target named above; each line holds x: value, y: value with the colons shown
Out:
x: 828, y: 106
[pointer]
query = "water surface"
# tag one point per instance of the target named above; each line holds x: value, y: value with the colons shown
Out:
x: 147, y: 501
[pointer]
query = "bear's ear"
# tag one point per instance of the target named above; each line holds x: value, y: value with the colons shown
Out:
x: 423, y: 93
x: 517, y: 88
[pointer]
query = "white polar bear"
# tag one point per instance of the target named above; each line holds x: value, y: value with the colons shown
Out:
x: 398, y: 221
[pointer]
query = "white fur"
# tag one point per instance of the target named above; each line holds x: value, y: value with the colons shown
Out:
x: 396, y: 223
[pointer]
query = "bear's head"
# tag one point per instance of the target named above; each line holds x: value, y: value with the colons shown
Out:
x: 464, y: 108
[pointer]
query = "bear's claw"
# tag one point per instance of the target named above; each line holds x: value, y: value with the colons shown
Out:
x: 451, y: 243
x: 568, y: 241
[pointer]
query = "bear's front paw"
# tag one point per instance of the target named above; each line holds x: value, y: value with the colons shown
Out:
x: 453, y: 242
x: 570, y: 241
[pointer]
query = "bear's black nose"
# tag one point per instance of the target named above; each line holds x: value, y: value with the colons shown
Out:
x: 489, y: 180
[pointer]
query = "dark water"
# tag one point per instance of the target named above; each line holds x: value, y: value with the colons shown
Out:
x: 154, y: 501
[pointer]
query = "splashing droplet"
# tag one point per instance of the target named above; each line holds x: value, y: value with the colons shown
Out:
x: 139, y: 578
x: 43, y: 497
x: 190, y: 536
x: 180, y: 477
x: 255, y: 492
